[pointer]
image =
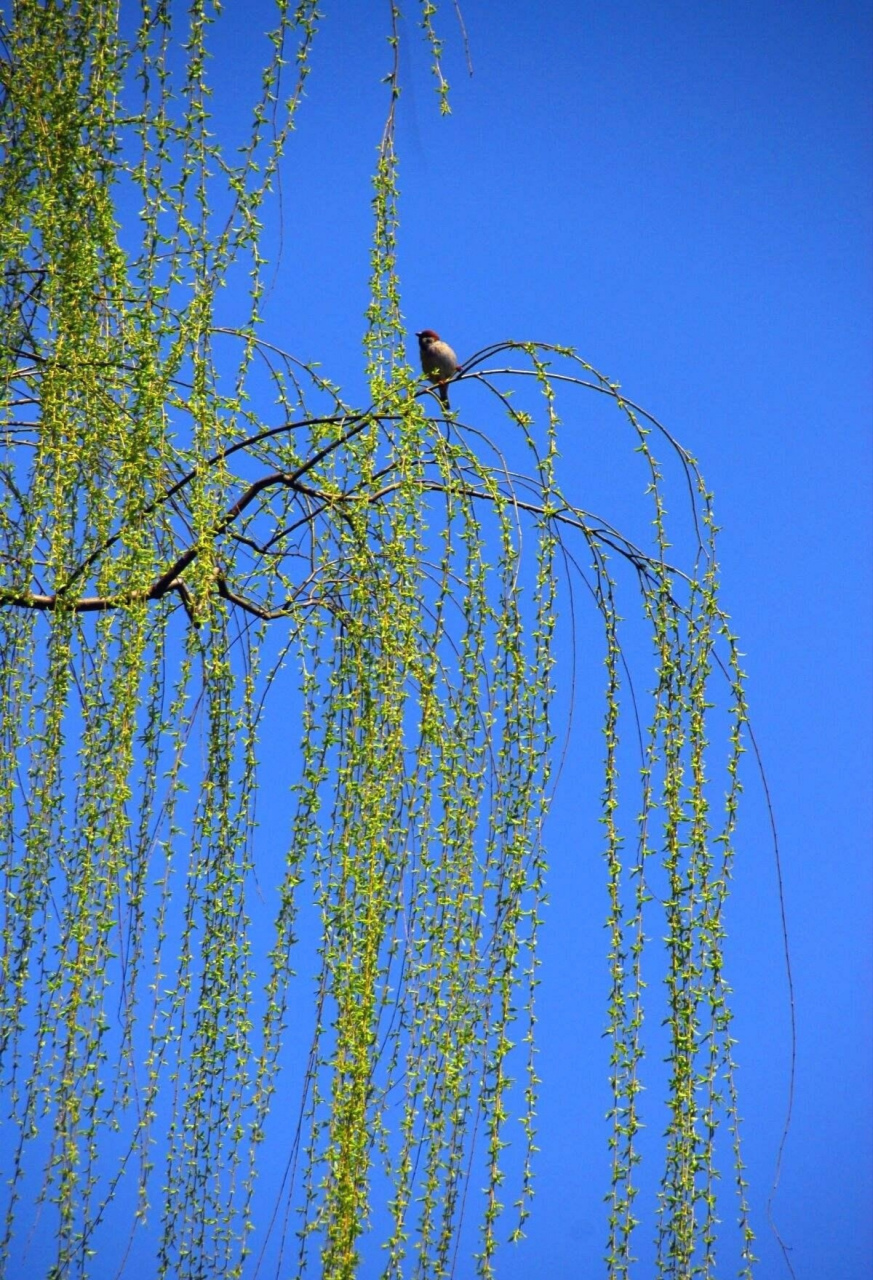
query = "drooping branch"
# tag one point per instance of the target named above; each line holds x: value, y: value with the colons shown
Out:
x: 418, y: 563
x: 348, y: 426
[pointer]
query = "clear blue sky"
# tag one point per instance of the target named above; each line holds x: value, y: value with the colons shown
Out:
x: 683, y: 192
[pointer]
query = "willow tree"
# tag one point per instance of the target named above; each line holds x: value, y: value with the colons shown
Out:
x: 194, y: 523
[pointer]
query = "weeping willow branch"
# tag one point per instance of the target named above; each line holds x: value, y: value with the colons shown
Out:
x: 349, y: 425
x: 371, y: 601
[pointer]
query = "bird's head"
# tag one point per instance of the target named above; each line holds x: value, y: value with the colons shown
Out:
x: 426, y: 336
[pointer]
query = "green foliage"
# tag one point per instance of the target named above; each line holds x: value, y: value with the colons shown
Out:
x: 172, y: 554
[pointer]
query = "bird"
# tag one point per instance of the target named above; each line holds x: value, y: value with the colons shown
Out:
x: 438, y: 361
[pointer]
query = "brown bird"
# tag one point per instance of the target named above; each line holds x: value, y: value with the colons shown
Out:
x: 438, y: 361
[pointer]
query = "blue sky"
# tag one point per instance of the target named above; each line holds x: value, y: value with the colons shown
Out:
x: 683, y: 192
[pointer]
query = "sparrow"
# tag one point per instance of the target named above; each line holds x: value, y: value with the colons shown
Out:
x: 438, y: 361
